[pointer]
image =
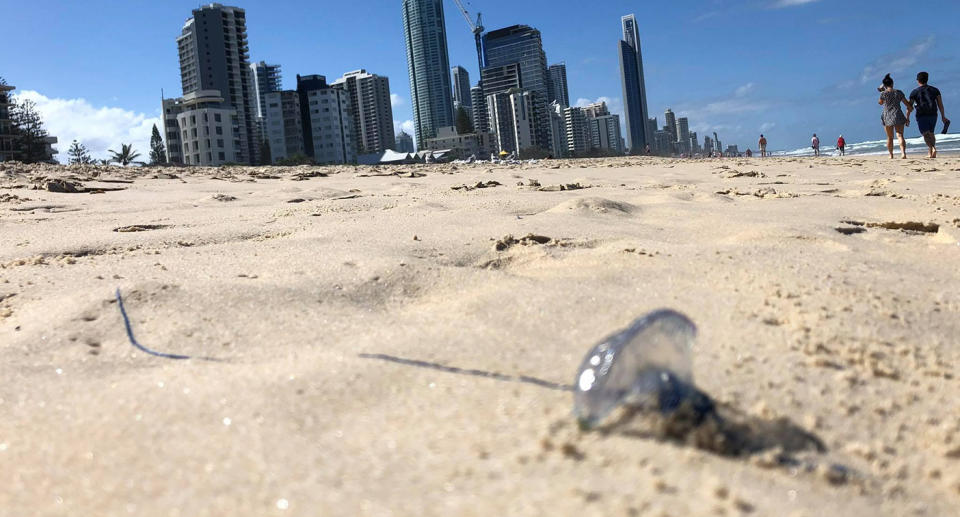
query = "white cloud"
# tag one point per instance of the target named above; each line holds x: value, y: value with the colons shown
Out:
x: 767, y: 126
x: 405, y: 126
x: 791, y: 3
x: 395, y: 100
x: 614, y: 104
x: 98, y: 128
x: 744, y: 90
x: 896, y: 62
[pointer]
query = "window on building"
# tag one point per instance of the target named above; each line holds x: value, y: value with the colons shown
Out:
x: 209, y: 157
x: 216, y: 117
x: 196, y: 159
x: 205, y: 118
x: 208, y: 143
x: 222, y: 156
x: 193, y: 132
x: 220, y: 143
x: 206, y: 131
x: 193, y: 119
x: 184, y: 134
x: 219, y: 130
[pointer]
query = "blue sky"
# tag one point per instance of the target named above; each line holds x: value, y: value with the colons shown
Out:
x: 787, y: 68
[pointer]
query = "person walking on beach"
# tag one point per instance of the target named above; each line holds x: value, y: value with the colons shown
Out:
x: 841, y: 144
x: 763, y: 146
x: 927, y: 101
x: 815, y: 143
x: 892, y: 116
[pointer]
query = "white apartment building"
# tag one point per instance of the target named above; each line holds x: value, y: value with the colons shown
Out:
x: 200, y: 130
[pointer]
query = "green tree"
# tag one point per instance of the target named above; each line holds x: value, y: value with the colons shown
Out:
x: 78, y: 154
x: 158, y: 153
x: 126, y: 156
x: 266, y: 157
x: 29, y: 133
x: 464, y: 125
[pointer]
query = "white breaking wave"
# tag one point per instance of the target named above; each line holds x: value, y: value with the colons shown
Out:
x: 945, y: 143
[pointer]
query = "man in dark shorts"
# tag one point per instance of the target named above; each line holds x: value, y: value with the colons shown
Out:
x: 927, y: 101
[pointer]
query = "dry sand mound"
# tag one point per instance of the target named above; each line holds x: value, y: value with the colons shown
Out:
x: 596, y: 205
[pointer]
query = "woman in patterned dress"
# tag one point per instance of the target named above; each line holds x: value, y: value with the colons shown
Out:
x: 892, y: 116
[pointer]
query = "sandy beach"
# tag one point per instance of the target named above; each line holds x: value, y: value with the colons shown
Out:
x: 359, y: 335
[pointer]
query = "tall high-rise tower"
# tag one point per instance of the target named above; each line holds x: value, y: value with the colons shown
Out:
x: 425, y: 34
x: 266, y: 79
x: 515, y: 55
x: 371, y: 110
x: 461, y: 88
x: 519, y: 44
x: 683, y: 134
x: 557, y: 84
x: 634, y: 85
x: 214, y: 56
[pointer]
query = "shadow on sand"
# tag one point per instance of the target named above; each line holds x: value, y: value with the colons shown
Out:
x: 696, y: 421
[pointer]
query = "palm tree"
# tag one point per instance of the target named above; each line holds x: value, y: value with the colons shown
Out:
x: 126, y: 156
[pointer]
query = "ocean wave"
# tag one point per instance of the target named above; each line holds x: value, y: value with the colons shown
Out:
x: 945, y: 143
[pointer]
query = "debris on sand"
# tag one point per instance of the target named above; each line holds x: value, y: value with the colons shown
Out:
x: 64, y: 186
x: 530, y: 239
x: 480, y: 184
x: 563, y: 187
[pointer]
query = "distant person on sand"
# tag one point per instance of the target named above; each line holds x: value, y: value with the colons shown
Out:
x: 892, y: 116
x: 749, y: 153
x: 927, y: 101
x: 763, y: 146
x: 815, y: 144
x: 841, y: 144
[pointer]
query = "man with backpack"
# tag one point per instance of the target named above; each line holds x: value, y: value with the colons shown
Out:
x: 927, y: 101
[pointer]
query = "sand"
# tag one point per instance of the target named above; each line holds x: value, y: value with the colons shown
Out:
x: 355, y: 318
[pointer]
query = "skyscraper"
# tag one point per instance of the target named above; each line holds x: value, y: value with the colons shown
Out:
x: 424, y: 31
x: 404, y: 142
x: 371, y: 110
x: 605, y: 133
x: 634, y: 85
x: 461, y: 88
x: 214, y: 56
x: 670, y: 124
x: 577, y: 130
x: 266, y: 79
x: 478, y: 102
x: 683, y: 135
x: 520, y: 45
x: 512, y: 121
x: 283, y: 124
x: 326, y: 121
x: 557, y: 84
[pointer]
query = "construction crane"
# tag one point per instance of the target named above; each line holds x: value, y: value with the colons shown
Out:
x: 477, y: 29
